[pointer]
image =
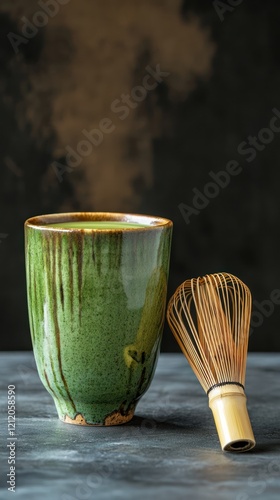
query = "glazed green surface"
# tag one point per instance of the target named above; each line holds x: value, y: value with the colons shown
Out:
x: 97, y: 225
x: 96, y: 309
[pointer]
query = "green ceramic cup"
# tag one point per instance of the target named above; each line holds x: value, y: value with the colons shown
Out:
x: 96, y: 285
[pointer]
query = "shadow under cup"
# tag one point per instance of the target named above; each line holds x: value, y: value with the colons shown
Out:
x: 96, y: 285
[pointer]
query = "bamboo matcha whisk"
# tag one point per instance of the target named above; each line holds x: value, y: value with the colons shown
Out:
x: 210, y: 319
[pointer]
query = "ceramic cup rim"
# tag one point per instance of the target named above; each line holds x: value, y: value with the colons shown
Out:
x: 146, y: 222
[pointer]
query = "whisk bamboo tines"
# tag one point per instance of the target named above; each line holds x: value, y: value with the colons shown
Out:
x: 210, y: 319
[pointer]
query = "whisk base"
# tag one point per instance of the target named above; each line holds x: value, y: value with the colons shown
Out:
x: 239, y: 446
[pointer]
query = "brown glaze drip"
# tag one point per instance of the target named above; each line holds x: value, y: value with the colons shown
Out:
x: 33, y: 330
x: 92, y: 253
x: 48, y: 382
x: 61, y: 293
x: 80, y: 252
x: 60, y: 274
x: 57, y: 248
x: 71, y: 278
x: 141, y: 383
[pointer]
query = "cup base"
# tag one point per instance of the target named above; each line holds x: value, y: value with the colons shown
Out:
x: 115, y: 418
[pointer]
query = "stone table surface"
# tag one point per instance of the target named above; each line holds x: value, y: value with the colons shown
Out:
x: 169, y: 450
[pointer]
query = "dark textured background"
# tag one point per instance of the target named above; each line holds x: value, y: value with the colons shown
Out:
x: 223, y: 84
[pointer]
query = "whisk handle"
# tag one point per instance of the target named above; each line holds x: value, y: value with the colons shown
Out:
x: 228, y: 404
